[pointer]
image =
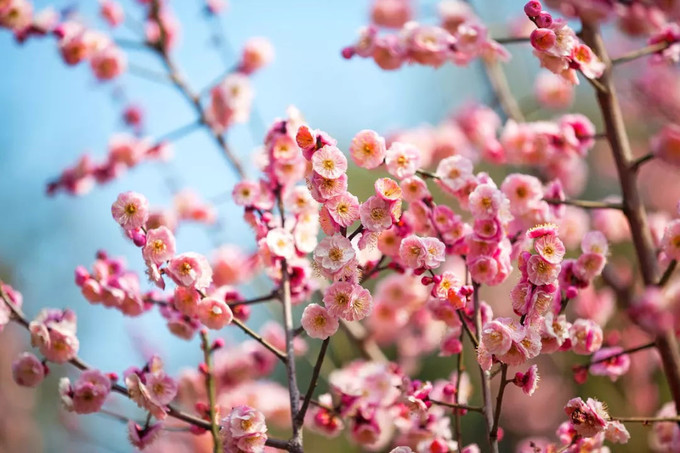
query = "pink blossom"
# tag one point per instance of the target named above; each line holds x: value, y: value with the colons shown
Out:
x: 108, y: 63
x: 367, y: 149
x: 87, y: 394
x: 588, y: 418
x: 670, y: 243
x: 246, y: 193
x: 214, y: 313
x: 130, y: 210
x: 152, y: 391
x: 375, y: 214
x: 550, y: 248
x: 553, y: 91
x: 333, y: 253
x: 230, y: 102
x: 528, y: 381
x: 244, y: 421
x: 160, y: 245
x: 338, y: 298
x: 454, y: 172
x: 323, y: 189
x: 413, y: 252
x: 191, y: 270
x: 112, y: 12
x: 542, y: 272
x: 143, y: 436
x: 487, y: 201
x: 497, y: 336
x: 586, y: 336
x: 402, y: 160
x: 53, y: 332
x: 281, y: 243
x: 388, y: 189
x: 523, y: 191
x: 318, y: 322
x: 27, y: 370
x: 257, y: 53
x: 666, y: 144
x: 483, y: 269
x: 344, y: 209
x: 613, y: 367
x: 329, y: 162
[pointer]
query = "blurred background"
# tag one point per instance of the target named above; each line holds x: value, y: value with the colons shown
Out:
x: 51, y: 114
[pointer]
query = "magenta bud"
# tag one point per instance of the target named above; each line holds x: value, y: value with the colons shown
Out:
x: 543, y: 39
x: 437, y: 278
x: 426, y: 280
x: 203, y: 368
x: 138, y: 237
x: 449, y: 389
x: 217, y: 344
x: 267, y: 217
x: 571, y: 292
x: 533, y: 8
x: 419, y: 271
x: 112, y: 376
x: 241, y: 312
x: 348, y: 52
x: 81, y: 275
x: 544, y: 19
x: 197, y: 430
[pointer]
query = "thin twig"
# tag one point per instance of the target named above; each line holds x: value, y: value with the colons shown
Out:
x: 618, y: 354
x: 486, y: 384
x: 512, y: 39
x: 637, y: 163
x: 499, y: 402
x: 667, y: 274
x: 257, y: 337
x: 634, y: 55
x: 256, y: 300
x: 300, y: 418
x: 457, y: 406
x: 585, y: 204
x: 646, y: 420
x: 211, y: 390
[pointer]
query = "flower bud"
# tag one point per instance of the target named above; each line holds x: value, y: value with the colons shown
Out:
x: 543, y: 39
x: 533, y: 8
x: 544, y: 19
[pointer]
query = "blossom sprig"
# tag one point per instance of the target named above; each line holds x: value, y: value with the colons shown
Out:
x: 457, y: 41
x: 558, y: 48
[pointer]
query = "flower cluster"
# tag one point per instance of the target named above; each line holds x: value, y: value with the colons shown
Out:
x: 53, y: 332
x: 87, y: 394
x: 244, y: 430
x: 558, y: 48
x: 151, y: 388
x: 124, y: 152
x: 460, y: 39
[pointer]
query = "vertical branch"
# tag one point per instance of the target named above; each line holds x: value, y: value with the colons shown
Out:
x: 211, y: 390
x: 296, y: 441
x: 486, y: 380
x: 633, y: 208
x: 499, y: 401
x: 300, y: 418
x: 499, y: 85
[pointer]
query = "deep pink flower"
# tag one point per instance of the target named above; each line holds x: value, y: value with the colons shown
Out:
x: 143, y: 436
x: 586, y: 336
x: 528, y: 381
x: 541, y: 272
x: 613, y: 367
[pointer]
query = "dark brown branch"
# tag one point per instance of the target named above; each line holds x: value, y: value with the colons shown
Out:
x: 300, y: 418
x: 585, y: 204
x: 639, y: 53
x: 211, y: 391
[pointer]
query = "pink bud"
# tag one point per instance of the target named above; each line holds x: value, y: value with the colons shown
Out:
x: 217, y: 344
x: 544, y: 19
x: 571, y: 292
x: 203, y: 368
x: 426, y: 280
x: 112, y: 376
x: 81, y: 275
x: 348, y: 52
x: 241, y: 312
x: 533, y: 8
x: 197, y: 430
x: 138, y: 237
x: 543, y: 39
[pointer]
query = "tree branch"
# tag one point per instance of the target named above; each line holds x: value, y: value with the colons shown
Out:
x: 211, y: 390
x: 300, y: 418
